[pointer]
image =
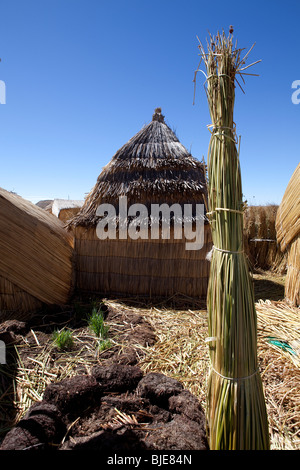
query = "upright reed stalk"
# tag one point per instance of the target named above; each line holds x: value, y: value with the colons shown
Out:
x: 237, y: 418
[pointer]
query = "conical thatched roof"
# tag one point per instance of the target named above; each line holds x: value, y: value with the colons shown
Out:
x: 153, y: 167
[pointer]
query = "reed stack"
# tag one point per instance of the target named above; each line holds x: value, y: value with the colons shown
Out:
x: 237, y: 418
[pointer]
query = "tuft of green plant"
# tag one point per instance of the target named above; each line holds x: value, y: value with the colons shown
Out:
x: 63, y: 339
x: 97, y: 325
x: 104, y: 344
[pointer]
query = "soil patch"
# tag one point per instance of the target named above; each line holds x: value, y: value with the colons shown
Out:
x: 105, y: 401
x: 115, y: 409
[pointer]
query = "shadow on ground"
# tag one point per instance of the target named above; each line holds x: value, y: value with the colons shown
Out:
x: 268, y: 289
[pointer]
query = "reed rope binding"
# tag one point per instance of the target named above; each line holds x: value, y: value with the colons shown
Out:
x: 235, y: 379
x: 225, y: 209
x: 228, y: 251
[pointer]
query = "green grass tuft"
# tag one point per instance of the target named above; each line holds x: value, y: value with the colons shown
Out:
x: 63, y: 339
x: 97, y: 325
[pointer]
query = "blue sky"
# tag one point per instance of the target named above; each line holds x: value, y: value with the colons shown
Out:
x: 83, y: 76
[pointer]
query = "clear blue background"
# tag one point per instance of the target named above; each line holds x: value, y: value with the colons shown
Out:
x: 83, y: 76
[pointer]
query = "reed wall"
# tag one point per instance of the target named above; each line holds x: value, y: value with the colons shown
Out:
x: 66, y: 214
x: 151, y: 268
x: 260, y: 239
x: 288, y: 235
x: 36, y: 255
x: 14, y: 299
x: 292, y: 281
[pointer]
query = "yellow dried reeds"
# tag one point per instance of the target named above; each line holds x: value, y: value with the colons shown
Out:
x: 141, y: 267
x: 181, y: 352
x: 292, y: 282
x: 14, y: 299
x: 236, y: 411
x: 65, y: 209
x: 288, y: 216
x: 36, y: 252
x: 260, y: 241
x: 279, y: 355
x: 288, y: 235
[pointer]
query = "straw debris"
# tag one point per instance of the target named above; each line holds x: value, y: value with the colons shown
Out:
x: 180, y: 351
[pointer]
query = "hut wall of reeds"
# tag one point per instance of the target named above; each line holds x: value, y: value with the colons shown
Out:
x: 65, y: 209
x: 260, y: 240
x: 288, y: 235
x: 150, y: 268
x: 153, y: 167
x: 36, y: 256
x: 14, y: 299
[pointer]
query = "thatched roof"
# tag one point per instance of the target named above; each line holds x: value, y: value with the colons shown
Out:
x: 45, y: 203
x: 65, y: 204
x: 153, y: 167
x: 35, y: 250
x: 288, y: 214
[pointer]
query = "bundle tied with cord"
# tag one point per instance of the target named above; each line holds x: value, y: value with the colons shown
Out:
x: 236, y: 411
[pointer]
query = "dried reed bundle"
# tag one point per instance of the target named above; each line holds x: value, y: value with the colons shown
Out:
x: 288, y: 235
x: 260, y: 241
x: 292, y: 286
x: 237, y: 417
x: 36, y: 255
x: 288, y: 220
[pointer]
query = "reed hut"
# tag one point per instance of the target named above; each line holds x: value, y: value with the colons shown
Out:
x: 45, y: 204
x: 288, y: 236
x: 65, y: 209
x: 260, y: 243
x: 153, y: 167
x: 35, y: 257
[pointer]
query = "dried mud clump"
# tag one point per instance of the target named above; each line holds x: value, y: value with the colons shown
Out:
x: 115, y: 408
